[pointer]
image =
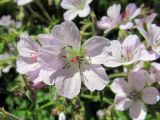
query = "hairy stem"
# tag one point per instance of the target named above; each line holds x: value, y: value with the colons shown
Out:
x: 121, y: 75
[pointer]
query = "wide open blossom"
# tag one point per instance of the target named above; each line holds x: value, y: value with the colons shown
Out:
x: 134, y: 95
x: 73, y: 62
x: 27, y: 62
x: 75, y: 7
x: 130, y: 51
x: 152, y: 36
x: 23, y: 2
x: 112, y: 19
x: 131, y: 12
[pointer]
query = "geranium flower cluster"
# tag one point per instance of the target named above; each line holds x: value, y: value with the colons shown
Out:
x: 64, y: 60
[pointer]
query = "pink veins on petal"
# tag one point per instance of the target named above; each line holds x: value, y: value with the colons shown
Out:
x: 128, y: 50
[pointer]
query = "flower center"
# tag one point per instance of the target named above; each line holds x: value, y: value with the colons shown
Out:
x: 75, y: 60
x: 134, y: 95
x: 34, y: 57
x: 72, y: 56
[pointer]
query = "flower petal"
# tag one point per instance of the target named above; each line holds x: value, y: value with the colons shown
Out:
x: 50, y: 57
x: 114, y: 11
x: 126, y: 26
x: 47, y: 39
x: 150, y: 95
x: 130, y: 44
x: 148, y: 56
x: 94, y: 77
x: 84, y: 12
x: 68, y: 34
x: 70, y: 14
x: 44, y: 76
x: 23, y: 2
x: 120, y: 86
x: 104, y: 23
x: 27, y: 46
x: 25, y: 65
x: 154, y: 72
x: 122, y: 102
x: 95, y: 45
x: 137, y: 83
x: 67, y: 4
x: 68, y: 82
x: 138, y: 111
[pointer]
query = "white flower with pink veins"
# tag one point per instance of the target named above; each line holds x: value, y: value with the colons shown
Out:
x: 27, y: 62
x: 128, y: 52
x: 112, y: 19
x: 75, y: 7
x: 152, y: 37
x: 134, y: 95
x: 74, y: 62
x: 130, y: 13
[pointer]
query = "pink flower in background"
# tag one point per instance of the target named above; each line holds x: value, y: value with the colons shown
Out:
x: 112, y: 19
x: 131, y: 12
x: 6, y: 68
x: 152, y: 36
x: 130, y: 51
x: 62, y: 116
x: 75, y: 7
x: 27, y: 62
x: 6, y: 21
x: 155, y: 73
x: 73, y: 62
x: 23, y: 2
x: 140, y: 22
x: 134, y: 95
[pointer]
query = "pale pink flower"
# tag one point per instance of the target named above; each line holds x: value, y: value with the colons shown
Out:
x: 130, y: 51
x: 75, y: 7
x: 147, y: 20
x: 152, y: 36
x: 27, y: 62
x: 6, y: 68
x: 6, y: 21
x: 112, y: 19
x: 62, y: 116
x: 23, y: 2
x: 74, y: 62
x: 134, y: 95
x: 131, y: 12
x: 154, y: 73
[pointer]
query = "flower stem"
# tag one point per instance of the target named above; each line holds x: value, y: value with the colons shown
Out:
x: 8, y: 59
x: 94, y: 22
x: 44, y: 11
x: 7, y: 114
x: 123, y: 75
x: 95, y: 98
x: 37, y: 15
